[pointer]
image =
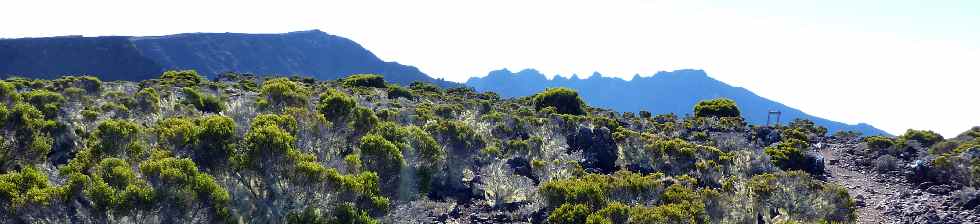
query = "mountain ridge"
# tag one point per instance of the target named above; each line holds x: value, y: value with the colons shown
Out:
x: 312, y: 52
x: 663, y: 92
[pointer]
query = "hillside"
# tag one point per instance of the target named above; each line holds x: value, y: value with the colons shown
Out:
x: 665, y: 92
x: 308, y: 53
x: 182, y: 149
x: 258, y: 149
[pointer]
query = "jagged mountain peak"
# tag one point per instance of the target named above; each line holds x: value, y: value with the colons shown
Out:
x: 664, y: 92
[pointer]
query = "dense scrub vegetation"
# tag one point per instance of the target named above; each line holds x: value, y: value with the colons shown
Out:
x: 241, y: 148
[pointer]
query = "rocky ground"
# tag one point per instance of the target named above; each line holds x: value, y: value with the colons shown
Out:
x: 888, y: 197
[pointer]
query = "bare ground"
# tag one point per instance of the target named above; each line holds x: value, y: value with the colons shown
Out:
x: 888, y: 197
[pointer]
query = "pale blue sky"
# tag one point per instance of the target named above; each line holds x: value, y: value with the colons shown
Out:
x: 895, y: 64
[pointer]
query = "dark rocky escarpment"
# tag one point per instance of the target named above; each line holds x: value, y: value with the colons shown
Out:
x: 314, y: 53
x: 111, y: 58
x: 308, y: 53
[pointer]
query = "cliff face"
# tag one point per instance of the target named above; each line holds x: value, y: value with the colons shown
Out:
x: 666, y: 92
x: 310, y: 53
x: 313, y: 53
x: 110, y: 58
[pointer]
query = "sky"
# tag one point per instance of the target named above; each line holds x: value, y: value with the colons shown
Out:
x: 895, y: 64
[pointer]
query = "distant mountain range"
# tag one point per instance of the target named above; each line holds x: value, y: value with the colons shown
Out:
x: 324, y: 56
x: 665, y: 92
x: 310, y: 53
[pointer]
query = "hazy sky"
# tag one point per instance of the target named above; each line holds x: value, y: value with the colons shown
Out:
x: 894, y: 64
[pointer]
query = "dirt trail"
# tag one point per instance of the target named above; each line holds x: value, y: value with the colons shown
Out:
x: 868, y: 194
x: 887, y: 198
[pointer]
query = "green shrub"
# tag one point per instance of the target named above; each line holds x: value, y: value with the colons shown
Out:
x: 335, y: 105
x: 564, y: 100
x: 788, y: 155
x: 807, y: 126
x: 569, y: 213
x: 720, y: 107
x: 309, y: 215
x: 267, y: 140
x: 424, y: 87
x: 785, y: 190
x: 395, y: 91
x: 456, y: 133
x: 115, y: 136
x: 926, y: 138
x: 177, y: 132
x: 74, y: 93
x: 216, y: 140
x: 364, y: 80
x: 48, y: 102
x: 203, y: 102
x: 347, y: 213
x: 879, y: 142
x: 181, y: 78
x: 27, y: 186
x: 382, y: 156
x: 115, y: 187
x: 117, y: 109
x: 174, y: 177
x: 645, y: 114
x: 448, y: 111
x: 364, y: 119
x: 284, y: 122
x: 8, y: 93
x: 147, y: 100
x: 669, y: 213
x: 281, y: 93
x: 89, y: 84
x: 89, y: 114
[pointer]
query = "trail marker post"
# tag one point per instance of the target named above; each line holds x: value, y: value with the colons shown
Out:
x: 770, y: 115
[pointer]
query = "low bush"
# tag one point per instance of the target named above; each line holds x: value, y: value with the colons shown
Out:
x: 148, y: 100
x: 879, y: 143
x: 924, y: 137
x: 203, y: 102
x: 564, y: 100
x: 789, y: 155
x: 282, y: 92
x: 364, y: 80
x: 364, y: 119
x: 720, y: 107
x: 383, y: 157
x: 29, y: 186
x: 116, y: 136
x: 424, y: 87
x: 335, y: 105
x: 48, y: 102
x: 395, y: 91
x: 181, y: 78
x: 569, y: 213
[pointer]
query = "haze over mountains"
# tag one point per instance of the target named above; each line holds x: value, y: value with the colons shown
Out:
x: 324, y: 56
x: 665, y: 92
x: 313, y: 53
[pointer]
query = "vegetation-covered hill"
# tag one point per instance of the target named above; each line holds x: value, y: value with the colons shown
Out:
x: 662, y: 93
x: 182, y: 149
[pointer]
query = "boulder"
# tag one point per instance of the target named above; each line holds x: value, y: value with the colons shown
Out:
x: 522, y: 167
x: 813, y: 163
x: 598, y: 149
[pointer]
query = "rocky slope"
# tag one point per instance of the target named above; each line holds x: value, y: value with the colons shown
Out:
x: 893, y: 196
x: 665, y: 92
